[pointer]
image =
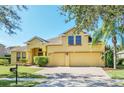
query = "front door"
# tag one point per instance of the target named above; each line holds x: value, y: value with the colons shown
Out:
x: 40, y: 52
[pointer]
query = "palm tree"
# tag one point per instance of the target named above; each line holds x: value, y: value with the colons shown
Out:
x: 87, y: 17
x: 105, y: 34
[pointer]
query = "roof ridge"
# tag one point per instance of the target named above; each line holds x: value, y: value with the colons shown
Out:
x: 41, y: 39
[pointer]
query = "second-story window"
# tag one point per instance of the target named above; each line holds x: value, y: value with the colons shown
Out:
x: 71, y: 40
x: 78, y: 40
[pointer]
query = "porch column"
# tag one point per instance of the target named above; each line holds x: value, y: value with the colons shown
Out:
x: 67, y: 59
x: 44, y: 53
x: 29, y: 57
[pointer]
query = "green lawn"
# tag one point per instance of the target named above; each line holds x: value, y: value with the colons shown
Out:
x: 8, y: 83
x: 24, y: 72
x: 5, y: 69
x: 116, y: 74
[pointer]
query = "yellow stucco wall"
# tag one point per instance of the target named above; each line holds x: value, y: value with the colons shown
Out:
x: 36, y: 44
x: 76, y: 55
x: 32, y: 49
x: 75, y: 48
x: 67, y: 55
x: 14, y: 56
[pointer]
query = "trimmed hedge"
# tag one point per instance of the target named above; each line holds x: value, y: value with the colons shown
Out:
x: 4, y: 57
x: 23, y: 60
x: 41, y: 60
x: 8, y: 57
x: 4, y: 62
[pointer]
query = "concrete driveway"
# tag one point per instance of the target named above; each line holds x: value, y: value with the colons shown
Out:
x: 75, y: 77
x: 93, y: 71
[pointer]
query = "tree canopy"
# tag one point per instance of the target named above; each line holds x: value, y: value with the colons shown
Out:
x: 9, y: 18
x: 87, y: 17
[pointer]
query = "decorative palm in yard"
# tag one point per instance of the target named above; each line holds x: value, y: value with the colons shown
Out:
x: 106, y: 33
x: 106, y: 22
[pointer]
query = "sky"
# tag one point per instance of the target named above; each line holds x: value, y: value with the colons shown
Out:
x: 42, y: 21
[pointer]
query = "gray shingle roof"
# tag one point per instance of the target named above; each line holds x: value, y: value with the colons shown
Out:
x: 19, y: 48
x: 55, y: 40
x: 39, y: 38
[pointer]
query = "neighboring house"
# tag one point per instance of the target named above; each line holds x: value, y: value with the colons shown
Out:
x: 68, y: 49
x: 120, y: 54
x: 2, y: 50
x: 8, y: 49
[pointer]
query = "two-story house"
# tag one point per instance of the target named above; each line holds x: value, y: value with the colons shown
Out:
x: 67, y: 49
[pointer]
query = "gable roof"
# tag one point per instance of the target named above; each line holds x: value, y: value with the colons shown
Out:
x: 73, y: 29
x: 55, y: 40
x: 68, y: 30
x: 36, y: 37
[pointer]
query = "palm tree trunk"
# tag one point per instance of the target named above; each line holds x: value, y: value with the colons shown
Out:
x: 114, y: 51
x: 115, y: 58
x: 122, y: 41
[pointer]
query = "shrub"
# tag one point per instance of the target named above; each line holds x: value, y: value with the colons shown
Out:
x: 6, y: 57
x: 41, y: 60
x: 36, y: 58
x: 23, y: 60
x: 1, y: 61
x: 3, y: 57
x: 108, y: 57
x: 4, y: 62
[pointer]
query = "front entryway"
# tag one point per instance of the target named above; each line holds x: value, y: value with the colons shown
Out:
x: 37, y: 52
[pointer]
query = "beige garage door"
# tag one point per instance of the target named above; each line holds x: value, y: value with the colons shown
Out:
x: 85, y: 59
x: 57, y: 59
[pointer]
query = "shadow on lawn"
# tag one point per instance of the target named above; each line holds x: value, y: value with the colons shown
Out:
x: 21, y: 75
